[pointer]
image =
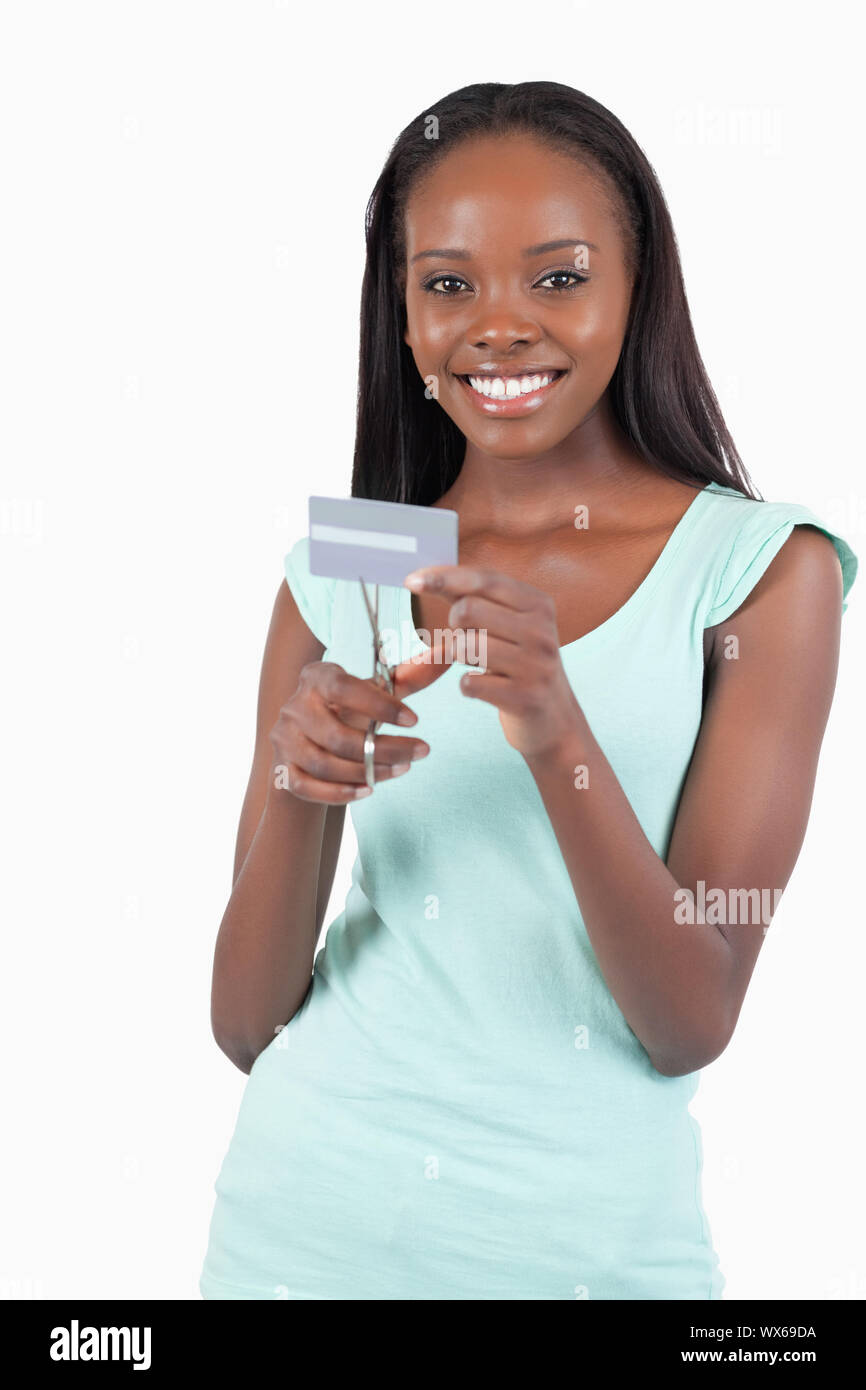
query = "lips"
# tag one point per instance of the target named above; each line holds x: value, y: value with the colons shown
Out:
x: 512, y: 393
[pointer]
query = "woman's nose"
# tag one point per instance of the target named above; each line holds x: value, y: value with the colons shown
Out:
x: 501, y: 329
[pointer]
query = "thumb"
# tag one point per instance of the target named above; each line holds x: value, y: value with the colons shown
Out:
x: 419, y: 672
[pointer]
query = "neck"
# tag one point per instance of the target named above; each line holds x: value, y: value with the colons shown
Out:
x: 594, y: 466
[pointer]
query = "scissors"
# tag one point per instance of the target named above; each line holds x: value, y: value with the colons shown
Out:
x: 383, y: 674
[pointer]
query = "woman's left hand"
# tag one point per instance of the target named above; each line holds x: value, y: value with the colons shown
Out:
x: 511, y: 633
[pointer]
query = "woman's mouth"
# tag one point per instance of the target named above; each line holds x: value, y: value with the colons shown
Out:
x: 510, y: 395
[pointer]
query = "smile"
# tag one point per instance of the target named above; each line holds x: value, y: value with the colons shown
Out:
x: 510, y: 395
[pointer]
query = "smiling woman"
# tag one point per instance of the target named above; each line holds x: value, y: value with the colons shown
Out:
x: 478, y: 1088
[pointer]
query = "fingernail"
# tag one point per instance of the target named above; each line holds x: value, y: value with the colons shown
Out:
x: 362, y: 791
x: 415, y: 580
x: 419, y: 751
x: 400, y: 767
x: 407, y: 716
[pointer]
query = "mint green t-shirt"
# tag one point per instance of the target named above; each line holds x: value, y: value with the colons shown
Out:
x: 459, y: 1109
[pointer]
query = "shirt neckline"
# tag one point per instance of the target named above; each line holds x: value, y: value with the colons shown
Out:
x: 626, y: 610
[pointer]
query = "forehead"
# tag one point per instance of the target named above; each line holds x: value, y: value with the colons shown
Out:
x: 510, y: 189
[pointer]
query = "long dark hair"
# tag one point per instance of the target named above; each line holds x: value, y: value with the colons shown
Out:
x: 407, y: 449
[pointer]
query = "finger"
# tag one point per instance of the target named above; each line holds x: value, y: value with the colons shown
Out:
x: 453, y: 581
x: 500, y: 657
x: 494, y: 654
x: 474, y: 621
x: 327, y: 793
x: 494, y: 690
x: 341, y: 690
x: 311, y: 760
x: 351, y: 719
x: 308, y: 788
x: 419, y: 672
x: 357, y: 719
x: 328, y: 731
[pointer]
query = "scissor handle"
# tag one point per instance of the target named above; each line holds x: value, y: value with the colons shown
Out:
x: 384, y: 677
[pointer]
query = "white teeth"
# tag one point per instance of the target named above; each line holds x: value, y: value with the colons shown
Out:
x: 508, y: 386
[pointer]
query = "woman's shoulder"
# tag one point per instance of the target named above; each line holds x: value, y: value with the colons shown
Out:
x: 314, y: 594
x: 742, y: 536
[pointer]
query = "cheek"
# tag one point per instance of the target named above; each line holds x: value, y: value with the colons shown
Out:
x: 595, y: 337
x: 430, y: 333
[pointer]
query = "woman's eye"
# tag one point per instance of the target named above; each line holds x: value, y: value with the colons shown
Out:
x: 573, y: 275
x: 430, y: 285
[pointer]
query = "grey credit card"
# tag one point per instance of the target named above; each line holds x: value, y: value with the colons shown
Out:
x: 379, y: 542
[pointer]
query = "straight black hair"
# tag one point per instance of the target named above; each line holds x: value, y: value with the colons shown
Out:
x: 407, y: 449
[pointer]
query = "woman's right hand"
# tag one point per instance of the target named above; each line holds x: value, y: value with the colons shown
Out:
x: 318, y: 739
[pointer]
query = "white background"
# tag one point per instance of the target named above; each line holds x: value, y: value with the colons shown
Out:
x: 182, y: 249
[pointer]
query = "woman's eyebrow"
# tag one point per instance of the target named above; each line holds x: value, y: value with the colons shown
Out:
x: 454, y: 253
x: 544, y: 246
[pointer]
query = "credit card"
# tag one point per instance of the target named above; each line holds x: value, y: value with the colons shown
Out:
x: 379, y: 542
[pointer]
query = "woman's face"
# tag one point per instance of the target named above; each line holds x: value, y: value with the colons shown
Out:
x: 515, y: 272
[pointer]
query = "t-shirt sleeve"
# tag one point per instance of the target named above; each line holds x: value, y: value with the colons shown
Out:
x: 313, y: 593
x: 756, y: 543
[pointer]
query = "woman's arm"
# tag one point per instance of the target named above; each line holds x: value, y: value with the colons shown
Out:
x: 311, y: 723
x: 744, y: 806
x: 283, y: 871
x: 740, y: 822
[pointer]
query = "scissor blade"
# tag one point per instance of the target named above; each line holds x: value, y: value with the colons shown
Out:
x: 372, y: 613
x: 381, y: 670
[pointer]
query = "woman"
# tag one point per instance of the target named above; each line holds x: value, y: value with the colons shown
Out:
x: 479, y: 1087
